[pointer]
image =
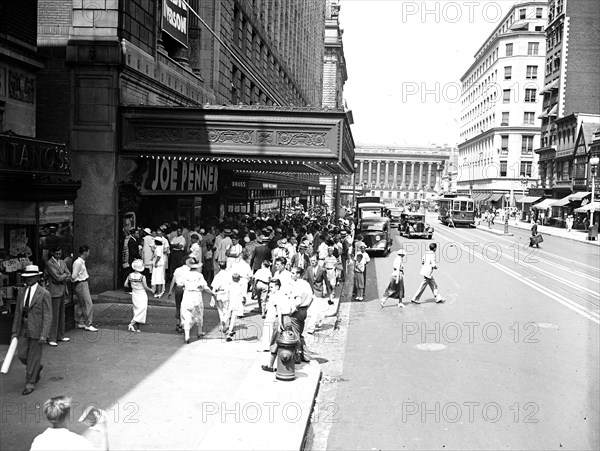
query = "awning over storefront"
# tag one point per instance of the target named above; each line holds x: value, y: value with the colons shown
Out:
x: 544, y: 205
x: 253, y: 138
x: 527, y: 199
x: 482, y: 197
x: 561, y: 202
x: 550, y: 86
x: 592, y: 206
x: 496, y: 197
x: 578, y: 196
x: 553, y: 111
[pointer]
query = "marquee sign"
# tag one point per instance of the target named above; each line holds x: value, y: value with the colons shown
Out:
x: 175, y: 20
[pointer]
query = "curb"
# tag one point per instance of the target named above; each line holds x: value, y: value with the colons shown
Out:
x: 312, y: 408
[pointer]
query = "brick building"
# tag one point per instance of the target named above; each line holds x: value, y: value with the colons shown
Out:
x: 172, y: 116
x: 571, y: 112
x: 499, y: 125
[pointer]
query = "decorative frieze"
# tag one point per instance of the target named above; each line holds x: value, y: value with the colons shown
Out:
x: 301, y: 139
x: 157, y: 134
x: 234, y: 136
x: 21, y: 87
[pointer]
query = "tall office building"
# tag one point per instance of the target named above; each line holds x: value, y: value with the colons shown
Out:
x: 499, y: 124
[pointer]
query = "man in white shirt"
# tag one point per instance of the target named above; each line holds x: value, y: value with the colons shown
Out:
x: 84, y: 309
x: 301, y: 298
x: 57, y: 411
x: 429, y: 264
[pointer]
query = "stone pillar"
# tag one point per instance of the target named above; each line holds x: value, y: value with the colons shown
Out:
x: 420, y: 182
x: 412, y: 174
x: 387, y: 174
x: 429, y: 176
x: 362, y: 172
x: 370, y: 175
x: 378, y: 178
x: 395, y: 184
x: 404, y: 163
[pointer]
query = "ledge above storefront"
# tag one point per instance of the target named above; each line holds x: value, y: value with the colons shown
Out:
x: 243, y: 137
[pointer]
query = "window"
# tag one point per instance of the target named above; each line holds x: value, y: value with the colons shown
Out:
x: 538, y: 13
x: 505, y: 115
x: 506, y: 96
x: 507, y: 72
x: 522, y: 13
x: 530, y: 95
x: 528, y: 118
x: 509, y: 49
x: 504, y: 147
x: 527, y: 145
x: 503, y: 168
x: 556, y: 63
x: 533, y: 48
x: 525, y: 169
x: 532, y: 72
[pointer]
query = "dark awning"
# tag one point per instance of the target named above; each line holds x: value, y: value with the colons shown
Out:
x: 527, y: 199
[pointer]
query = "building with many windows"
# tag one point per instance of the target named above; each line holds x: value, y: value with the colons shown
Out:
x: 499, y: 125
x: 571, y: 103
x: 186, y: 111
x: 397, y: 174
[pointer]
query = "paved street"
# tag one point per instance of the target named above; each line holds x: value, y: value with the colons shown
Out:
x: 510, y: 361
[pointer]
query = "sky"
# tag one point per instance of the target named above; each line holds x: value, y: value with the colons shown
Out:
x: 404, y: 61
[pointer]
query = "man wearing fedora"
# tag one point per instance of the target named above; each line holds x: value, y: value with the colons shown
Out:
x: 31, y: 326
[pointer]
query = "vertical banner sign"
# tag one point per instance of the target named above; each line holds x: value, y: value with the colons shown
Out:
x: 175, y: 20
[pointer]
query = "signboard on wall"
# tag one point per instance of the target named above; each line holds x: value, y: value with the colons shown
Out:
x: 165, y: 176
x: 175, y: 20
x: 27, y: 155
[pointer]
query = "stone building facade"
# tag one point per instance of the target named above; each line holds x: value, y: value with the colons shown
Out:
x: 499, y: 125
x: 117, y: 72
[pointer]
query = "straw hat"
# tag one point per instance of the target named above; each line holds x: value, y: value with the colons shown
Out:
x: 192, y: 263
x: 31, y: 271
x: 138, y: 265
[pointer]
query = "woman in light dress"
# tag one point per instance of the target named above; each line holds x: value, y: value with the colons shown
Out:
x: 395, y: 288
x: 139, y: 297
x: 158, y: 269
x: 192, y: 305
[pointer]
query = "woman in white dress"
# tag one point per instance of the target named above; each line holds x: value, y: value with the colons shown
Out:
x: 192, y: 305
x: 158, y: 270
x: 139, y: 297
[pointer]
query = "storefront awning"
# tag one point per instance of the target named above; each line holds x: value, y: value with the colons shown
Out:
x: 495, y: 197
x: 527, y: 199
x: 561, y: 202
x: 553, y: 111
x: 483, y: 197
x: 544, y: 205
x: 550, y: 86
x: 578, y: 196
x: 592, y: 206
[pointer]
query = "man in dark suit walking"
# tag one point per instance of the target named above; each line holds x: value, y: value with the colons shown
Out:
x: 262, y: 252
x: 316, y: 276
x: 31, y: 326
x: 57, y: 274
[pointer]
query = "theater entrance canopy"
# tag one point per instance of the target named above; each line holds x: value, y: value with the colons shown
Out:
x: 243, y: 138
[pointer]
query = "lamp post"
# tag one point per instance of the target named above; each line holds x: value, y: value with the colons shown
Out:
x: 506, y: 215
x: 593, y: 167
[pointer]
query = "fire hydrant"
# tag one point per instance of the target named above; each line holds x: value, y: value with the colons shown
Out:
x: 286, y: 348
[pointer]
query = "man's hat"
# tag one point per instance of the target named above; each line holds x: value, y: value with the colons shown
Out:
x: 192, y: 263
x: 227, y: 232
x: 401, y: 252
x: 147, y: 230
x: 31, y: 271
x: 282, y: 242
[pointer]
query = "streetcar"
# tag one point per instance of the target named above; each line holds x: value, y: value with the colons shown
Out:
x: 459, y: 210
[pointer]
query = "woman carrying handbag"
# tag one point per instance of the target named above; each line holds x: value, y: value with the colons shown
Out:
x: 395, y: 288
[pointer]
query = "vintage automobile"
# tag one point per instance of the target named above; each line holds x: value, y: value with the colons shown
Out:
x: 413, y: 224
x: 376, y: 233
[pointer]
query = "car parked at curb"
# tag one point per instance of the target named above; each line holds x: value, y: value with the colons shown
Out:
x: 376, y: 234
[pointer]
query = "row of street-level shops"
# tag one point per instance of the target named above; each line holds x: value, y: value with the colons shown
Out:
x: 538, y: 204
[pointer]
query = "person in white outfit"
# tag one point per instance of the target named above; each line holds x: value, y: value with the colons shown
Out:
x: 139, y: 297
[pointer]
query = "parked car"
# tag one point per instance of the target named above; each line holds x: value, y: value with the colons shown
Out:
x: 394, y: 214
x: 413, y: 224
x: 376, y: 233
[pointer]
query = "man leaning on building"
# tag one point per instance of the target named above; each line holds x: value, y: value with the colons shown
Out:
x: 57, y: 275
x: 84, y: 309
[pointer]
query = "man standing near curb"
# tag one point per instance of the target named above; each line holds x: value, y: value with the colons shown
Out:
x: 429, y: 264
x: 31, y: 326
x: 84, y: 309
x: 57, y: 274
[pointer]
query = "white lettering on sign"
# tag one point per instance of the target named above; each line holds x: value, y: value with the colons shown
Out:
x: 238, y: 184
x: 178, y: 21
x: 177, y: 175
x: 269, y: 185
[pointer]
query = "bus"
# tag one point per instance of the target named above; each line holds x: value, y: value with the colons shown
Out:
x: 460, y: 208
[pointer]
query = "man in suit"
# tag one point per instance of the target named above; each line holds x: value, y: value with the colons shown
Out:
x: 262, y: 252
x: 316, y: 276
x: 31, y: 326
x: 57, y: 275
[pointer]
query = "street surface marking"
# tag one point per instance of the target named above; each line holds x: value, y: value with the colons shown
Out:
x: 583, y: 311
x: 430, y: 346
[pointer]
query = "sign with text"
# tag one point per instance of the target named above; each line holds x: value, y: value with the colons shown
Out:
x: 27, y: 155
x: 180, y: 176
x: 175, y: 20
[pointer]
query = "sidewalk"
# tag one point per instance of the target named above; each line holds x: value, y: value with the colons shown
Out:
x: 573, y: 235
x: 161, y: 393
